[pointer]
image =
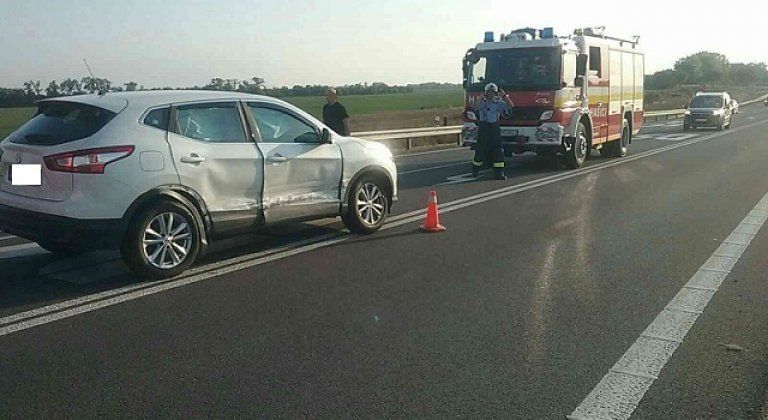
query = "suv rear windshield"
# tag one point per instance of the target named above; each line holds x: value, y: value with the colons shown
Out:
x: 707, y: 101
x: 61, y: 122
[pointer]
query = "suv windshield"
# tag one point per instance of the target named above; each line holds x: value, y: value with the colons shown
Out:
x: 707, y: 102
x: 61, y: 122
x: 518, y: 69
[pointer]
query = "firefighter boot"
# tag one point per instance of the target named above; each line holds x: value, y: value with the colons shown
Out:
x: 476, y: 169
x: 498, y: 173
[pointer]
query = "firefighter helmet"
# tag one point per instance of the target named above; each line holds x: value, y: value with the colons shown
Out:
x: 491, y: 87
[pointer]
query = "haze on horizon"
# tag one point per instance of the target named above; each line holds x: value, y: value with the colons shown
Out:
x: 188, y: 42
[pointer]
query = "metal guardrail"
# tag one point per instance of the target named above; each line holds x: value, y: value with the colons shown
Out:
x: 409, y: 138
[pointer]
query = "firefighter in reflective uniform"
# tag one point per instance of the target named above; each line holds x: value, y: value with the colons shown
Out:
x: 488, y: 111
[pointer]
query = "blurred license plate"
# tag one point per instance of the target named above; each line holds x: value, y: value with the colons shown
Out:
x: 509, y: 132
x: 701, y: 120
x: 19, y: 174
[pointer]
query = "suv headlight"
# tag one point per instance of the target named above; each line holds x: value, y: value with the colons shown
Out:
x: 546, y: 115
x: 719, y: 112
x: 687, y: 112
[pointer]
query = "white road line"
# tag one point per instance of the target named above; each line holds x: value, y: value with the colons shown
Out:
x: 6, y: 238
x: 62, y: 310
x: 617, y: 395
x: 432, y: 168
x: 15, y: 251
x: 447, y: 149
x: 676, y: 136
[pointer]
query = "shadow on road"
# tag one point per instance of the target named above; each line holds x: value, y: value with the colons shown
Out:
x: 42, y: 278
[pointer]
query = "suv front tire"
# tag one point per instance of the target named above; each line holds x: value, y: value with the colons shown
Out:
x: 367, y: 205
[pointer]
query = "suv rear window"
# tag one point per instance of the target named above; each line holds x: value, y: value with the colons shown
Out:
x: 61, y: 122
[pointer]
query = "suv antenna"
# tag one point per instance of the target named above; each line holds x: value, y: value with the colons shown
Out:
x: 101, y: 90
x: 89, y: 68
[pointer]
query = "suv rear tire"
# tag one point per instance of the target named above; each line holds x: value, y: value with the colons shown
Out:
x: 367, y: 205
x: 162, y: 240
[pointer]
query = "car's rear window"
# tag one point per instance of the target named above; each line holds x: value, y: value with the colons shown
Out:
x: 61, y: 122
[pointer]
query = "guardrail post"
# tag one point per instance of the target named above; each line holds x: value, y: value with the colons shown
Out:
x: 409, y: 144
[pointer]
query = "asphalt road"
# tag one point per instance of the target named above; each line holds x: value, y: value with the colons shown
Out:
x: 537, y: 291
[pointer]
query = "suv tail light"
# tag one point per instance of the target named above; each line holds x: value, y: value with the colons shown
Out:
x: 87, y: 161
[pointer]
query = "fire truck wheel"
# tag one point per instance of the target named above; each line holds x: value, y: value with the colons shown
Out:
x: 575, y: 157
x: 618, y: 148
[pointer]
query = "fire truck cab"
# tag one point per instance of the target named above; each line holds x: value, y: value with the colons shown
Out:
x: 571, y: 94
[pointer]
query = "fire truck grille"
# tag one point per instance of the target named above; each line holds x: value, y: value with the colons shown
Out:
x: 526, y: 113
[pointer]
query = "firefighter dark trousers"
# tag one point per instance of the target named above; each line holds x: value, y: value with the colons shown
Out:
x: 488, y: 147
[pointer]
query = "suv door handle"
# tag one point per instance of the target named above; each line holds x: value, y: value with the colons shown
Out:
x: 277, y: 158
x: 193, y: 158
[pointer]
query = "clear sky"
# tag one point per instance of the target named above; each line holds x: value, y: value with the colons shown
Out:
x: 188, y: 42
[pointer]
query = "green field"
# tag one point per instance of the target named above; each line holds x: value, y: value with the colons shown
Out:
x: 372, y: 104
x: 407, y: 110
x: 12, y: 118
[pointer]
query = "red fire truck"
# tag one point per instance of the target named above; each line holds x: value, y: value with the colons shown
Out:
x: 572, y: 94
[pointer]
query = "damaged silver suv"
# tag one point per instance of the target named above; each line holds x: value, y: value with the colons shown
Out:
x: 158, y: 175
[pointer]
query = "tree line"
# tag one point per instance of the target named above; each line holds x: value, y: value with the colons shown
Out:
x: 33, y: 90
x: 708, y: 69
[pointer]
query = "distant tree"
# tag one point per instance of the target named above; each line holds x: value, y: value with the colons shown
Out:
x: 95, y: 84
x: 52, y: 90
x: 216, y: 84
x: 257, y: 83
x: 703, y: 68
x: 665, y: 79
x: 689, y: 68
x: 748, y: 74
x: 32, y: 88
x: 70, y: 86
x: 130, y: 86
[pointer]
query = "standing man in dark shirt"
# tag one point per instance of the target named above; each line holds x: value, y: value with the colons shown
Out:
x: 334, y: 114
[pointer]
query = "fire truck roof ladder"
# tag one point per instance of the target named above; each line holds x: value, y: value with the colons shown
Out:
x: 599, y: 32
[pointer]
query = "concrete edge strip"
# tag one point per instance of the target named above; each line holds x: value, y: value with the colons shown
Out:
x: 619, y: 392
x: 61, y: 310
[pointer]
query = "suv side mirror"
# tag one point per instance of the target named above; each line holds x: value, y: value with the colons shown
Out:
x: 325, y: 136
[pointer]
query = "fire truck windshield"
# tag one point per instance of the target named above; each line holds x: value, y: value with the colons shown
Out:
x: 517, y: 69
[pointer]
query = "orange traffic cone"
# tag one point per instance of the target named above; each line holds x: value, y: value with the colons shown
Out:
x: 432, y: 224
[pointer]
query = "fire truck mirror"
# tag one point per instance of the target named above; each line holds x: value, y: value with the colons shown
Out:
x: 579, y: 81
x: 581, y: 64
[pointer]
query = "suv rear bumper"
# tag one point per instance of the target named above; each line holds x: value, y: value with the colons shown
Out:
x: 79, y: 234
